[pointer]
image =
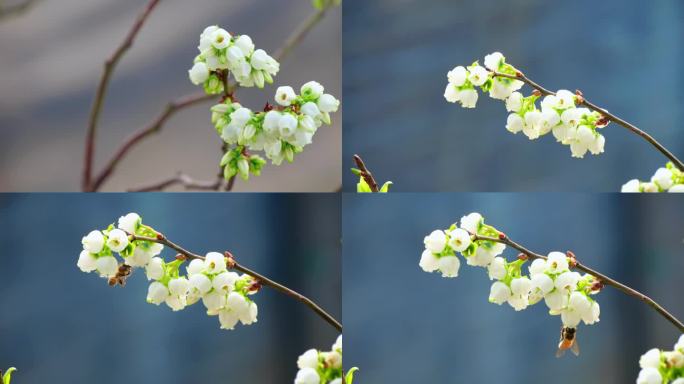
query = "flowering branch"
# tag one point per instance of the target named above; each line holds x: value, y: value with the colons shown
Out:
x: 109, y: 66
x: 573, y: 120
x: 603, y: 279
x: 552, y: 279
x: 155, y: 126
x: 610, y: 116
x: 233, y: 264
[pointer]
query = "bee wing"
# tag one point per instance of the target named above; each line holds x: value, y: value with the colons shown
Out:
x: 575, y: 348
x: 560, y: 352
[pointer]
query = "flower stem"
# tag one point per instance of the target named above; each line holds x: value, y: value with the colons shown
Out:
x: 161, y: 239
x: 634, y: 129
x: 603, y: 278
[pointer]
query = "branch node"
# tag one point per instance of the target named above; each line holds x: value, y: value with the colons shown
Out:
x: 230, y: 260
x: 572, y: 260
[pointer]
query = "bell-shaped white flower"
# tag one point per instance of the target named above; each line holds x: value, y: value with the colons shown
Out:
x: 287, y: 125
x: 518, y: 302
x: 468, y: 98
x: 499, y: 293
x: 649, y: 376
x: 107, y: 266
x: 428, y: 261
x: 631, y: 186
x: 118, y: 240
x: 592, y: 315
x: 245, y: 44
x: 199, y: 73
x: 328, y: 103
x: 650, y: 359
x: 679, y: 346
x: 570, y: 317
x: 493, y: 61
x: 176, y: 303
x: 663, y: 178
x: 677, y: 188
x: 533, y: 124
x: 195, y: 266
x: 537, y: 266
x: 567, y: 281
x: 459, y: 239
x: 179, y: 286
x: 310, y: 109
x: 228, y: 319
x: 155, y: 269
x: 214, y: 300
x: 249, y: 315
x: 308, y: 359
x: 86, y: 262
x: 215, y: 263
x: 557, y: 262
x: 93, y: 242
x: 307, y: 376
x: 449, y: 266
x: 556, y: 300
x: 285, y: 95
x: 514, y: 102
x: 200, y: 283
x: 579, y: 302
x: 436, y: 241
x: 497, y: 268
x: 521, y: 286
x: 478, y: 75
x: 471, y: 222
x: 482, y: 257
x: 542, y: 282
x: 312, y: 89
x: 457, y: 76
x: 157, y: 293
x: 220, y: 38
x: 225, y: 282
x: 514, y: 123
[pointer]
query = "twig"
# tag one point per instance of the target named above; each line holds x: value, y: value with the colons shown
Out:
x: 161, y: 239
x: 109, y: 66
x: 292, y: 41
x: 181, y: 179
x: 16, y: 10
x: 366, y: 174
x: 602, y: 278
x: 520, y: 76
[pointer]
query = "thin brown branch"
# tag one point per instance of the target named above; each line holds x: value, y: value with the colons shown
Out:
x: 603, y: 278
x: 10, y: 11
x: 617, y: 120
x: 366, y: 174
x: 181, y: 179
x: 110, y: 64
x: 233, y: 264
x: 290, y: 43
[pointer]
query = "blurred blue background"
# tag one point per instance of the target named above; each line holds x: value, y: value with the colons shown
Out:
x: 623, y: 56
x: 60, y: 325
x: 52, y: 58
x: 403, y: 325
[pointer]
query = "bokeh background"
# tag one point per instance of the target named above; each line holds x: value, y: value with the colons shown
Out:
x: 397, y: 54
x: 52, y: 58
x: 403, y: 325
x: 60, y: 325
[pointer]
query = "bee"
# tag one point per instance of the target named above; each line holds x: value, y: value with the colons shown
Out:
x: 568, y: 340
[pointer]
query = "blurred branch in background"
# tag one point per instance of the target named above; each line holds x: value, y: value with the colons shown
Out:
x: 9, y: 11
x: 90, y: 185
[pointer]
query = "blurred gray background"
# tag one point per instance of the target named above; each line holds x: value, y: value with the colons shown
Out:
x: 60, y: 325
x: 52, y: 58
x: 404, y: 325
x: 623, y: 56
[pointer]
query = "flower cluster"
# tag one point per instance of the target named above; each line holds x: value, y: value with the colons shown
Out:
x: 219, y: 51
x: 559, y: 114
x: 318, y: 367
x: 566, y: 293
x: 223, y: 293
x: 280, y: 131
x: 663, y: 367
x: 667, y: 179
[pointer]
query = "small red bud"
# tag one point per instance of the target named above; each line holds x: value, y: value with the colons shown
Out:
x: 160, y: 236
x: 522, y: 256
x: 537, y: 93
x: 518, y: 73
x: 502, y: 236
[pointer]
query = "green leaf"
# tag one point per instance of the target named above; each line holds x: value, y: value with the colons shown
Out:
x: 362, y: 186
x: 8, y: 375
x: 385, y: 187
x: 355, y: 171
x: 350, y: 375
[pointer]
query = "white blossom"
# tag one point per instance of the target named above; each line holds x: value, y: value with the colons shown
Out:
x: 449, y: 266
x: 86, y: 262
x: 157, y: 293
x: 499, y: 293
x: 117, y: 240
x: 215, y: 262
x: 428, y: 261
x: 435, y: 241
x: 459, y: 239
x: 93, y: 242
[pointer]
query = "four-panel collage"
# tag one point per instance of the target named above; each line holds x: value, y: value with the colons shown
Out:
x: 216, y: 192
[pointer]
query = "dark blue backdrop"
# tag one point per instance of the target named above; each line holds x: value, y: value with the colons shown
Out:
x: 403, y: 325
x: 60, y: 325
x: 622, y: 55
